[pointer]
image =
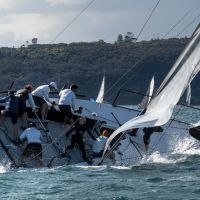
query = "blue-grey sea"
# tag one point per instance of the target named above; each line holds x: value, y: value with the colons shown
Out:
x: 172, y: 177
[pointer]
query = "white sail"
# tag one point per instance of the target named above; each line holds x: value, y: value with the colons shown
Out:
x: 161, y: 106
x: 188, y: 94
x: 149, y: 93
x: 100, y: 96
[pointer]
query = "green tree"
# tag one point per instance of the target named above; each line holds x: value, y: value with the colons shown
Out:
x: 129, y: 37
x: 120, y: 39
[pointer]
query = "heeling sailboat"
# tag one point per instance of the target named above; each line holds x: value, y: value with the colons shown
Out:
x: 105, y: 112
x: 160, y: 109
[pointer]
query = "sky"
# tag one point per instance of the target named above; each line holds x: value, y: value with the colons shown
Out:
x: 22, y: 20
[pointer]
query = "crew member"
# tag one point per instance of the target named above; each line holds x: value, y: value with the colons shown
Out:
x: 148, y: 132
x: 99, y: 144
x: 11, y: 110
x: 33, y: 137
x: 41, y: 97
x: 66, y: 102
x: 24, y: 95
x: 77, y: 131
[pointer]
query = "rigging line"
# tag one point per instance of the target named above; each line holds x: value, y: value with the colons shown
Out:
x: 72, y: 21
x: 183, y: 30
x: 142, y: 58
x: 178, y: 22
x: 137, y: 149
x: 123, y: 150
x: 153, y: 10
x: 188, y: 106
x: 170, y: 30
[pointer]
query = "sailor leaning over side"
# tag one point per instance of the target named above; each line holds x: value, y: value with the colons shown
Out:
x: 11, y: 110
x: 24, y: 95
x: 77, y: 132
x: 66, y: 102
x: 34, y: 139
x: 41, y: 97
x: 99, y: 144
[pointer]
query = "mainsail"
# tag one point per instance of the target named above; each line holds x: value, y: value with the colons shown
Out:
x: 160, y: 108
x: 100, y: 96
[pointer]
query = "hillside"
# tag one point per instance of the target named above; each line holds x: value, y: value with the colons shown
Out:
x: 85, y: 64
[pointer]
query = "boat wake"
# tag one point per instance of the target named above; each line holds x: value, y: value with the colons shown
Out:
x: 184, y: 149
x: 187, y: 146
x: 4, y: 166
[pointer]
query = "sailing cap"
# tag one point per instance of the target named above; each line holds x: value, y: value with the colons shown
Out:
x: 53, y: 84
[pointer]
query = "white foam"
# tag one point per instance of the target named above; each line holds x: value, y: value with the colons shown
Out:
x: 187, y: 146
x: 156, y: 157
x: 90, y: 166
x: 4, y: 167
x: 122, y: 167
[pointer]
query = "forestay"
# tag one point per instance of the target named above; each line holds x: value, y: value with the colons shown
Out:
x: 160, y: 108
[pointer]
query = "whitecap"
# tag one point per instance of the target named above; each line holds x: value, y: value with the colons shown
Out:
x: 156, y: 157
x: 187, y: 146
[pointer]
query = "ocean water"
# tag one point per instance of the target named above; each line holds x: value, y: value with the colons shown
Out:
x: 169, y: 176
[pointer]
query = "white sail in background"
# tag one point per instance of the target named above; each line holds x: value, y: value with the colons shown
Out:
x: 161, y: 106
x: 100, y: 96
x: 149, y: 93
x: 188, y: 94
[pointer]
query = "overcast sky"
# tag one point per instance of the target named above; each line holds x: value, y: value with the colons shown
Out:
x: 21, y: 20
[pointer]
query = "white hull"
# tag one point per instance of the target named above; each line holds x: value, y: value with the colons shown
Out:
x: 113, y: 115
x: 131, y: 151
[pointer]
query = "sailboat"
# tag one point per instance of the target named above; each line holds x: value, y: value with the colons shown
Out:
x: 100, y: 96
x: 100, y: 115
x: 159, y: 111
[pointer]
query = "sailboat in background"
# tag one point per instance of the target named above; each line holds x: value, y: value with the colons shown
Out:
x: 100, y: 96
x: 160, y: 108
x: 148, y: 95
